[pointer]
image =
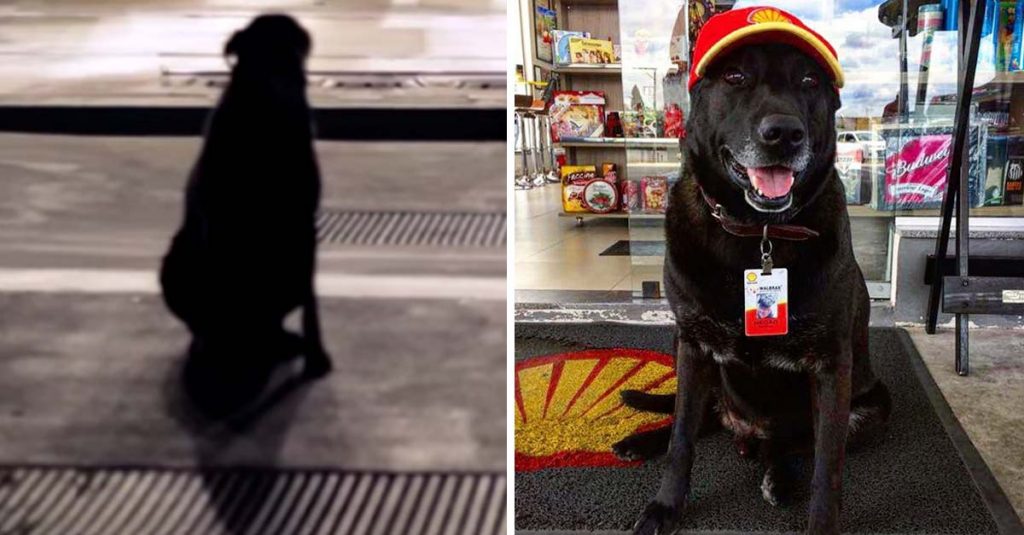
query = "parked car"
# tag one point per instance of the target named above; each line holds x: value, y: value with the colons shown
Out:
x: 870, y: 144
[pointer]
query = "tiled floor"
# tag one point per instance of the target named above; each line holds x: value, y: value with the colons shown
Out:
x: 554, y: 253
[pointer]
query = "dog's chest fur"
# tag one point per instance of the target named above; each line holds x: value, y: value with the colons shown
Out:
x: 726, y: 344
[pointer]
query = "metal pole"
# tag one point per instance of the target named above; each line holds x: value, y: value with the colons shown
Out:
x: 904, y: 97
x: 963, y: 215
x: 967, y: 62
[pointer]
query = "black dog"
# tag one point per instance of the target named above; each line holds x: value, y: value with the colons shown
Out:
x: 760, y: 151
x: 245, y: 255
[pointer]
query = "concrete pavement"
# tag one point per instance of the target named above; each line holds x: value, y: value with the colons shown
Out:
x: 119, y: 52
x: 89, y: 357
x: 93, y: 380
x: 102, y: 202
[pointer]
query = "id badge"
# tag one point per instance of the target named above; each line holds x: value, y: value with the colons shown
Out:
x: 765, y: 310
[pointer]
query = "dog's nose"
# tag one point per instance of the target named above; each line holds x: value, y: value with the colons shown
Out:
x: 781, y: 129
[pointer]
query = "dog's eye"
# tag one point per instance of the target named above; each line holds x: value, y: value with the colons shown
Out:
x: 809, y: 81
x: 734, y: 77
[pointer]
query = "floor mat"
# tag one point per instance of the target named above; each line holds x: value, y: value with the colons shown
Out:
x: 635, y: 248
x: 913, y: 480
x: 251, y: 501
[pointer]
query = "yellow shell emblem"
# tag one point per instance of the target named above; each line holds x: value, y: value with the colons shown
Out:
x: 767, y: 15
x: 567, y: 406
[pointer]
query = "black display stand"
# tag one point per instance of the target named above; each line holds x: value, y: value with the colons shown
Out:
x: 962, y: 294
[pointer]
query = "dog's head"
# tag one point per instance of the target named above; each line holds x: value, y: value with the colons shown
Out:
x: 274, y: 42
x: 763, y: 90
x: 762, y: 131
x: 765, y: 300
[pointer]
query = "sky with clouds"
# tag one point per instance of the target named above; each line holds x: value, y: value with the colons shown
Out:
x: 870, y: 55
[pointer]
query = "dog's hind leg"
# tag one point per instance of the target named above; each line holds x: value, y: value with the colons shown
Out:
x: 869, y: 412
x: 649, y: 444
x: 318, y: 363
x: 781, y: 471
x: 644, y: 445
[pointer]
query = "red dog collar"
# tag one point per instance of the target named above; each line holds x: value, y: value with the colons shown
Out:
x: 754, y: 230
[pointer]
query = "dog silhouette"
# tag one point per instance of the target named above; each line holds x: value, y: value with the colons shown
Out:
x: 244, y: 256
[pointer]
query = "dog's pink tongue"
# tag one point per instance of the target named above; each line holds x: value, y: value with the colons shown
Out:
x: 773, y: 182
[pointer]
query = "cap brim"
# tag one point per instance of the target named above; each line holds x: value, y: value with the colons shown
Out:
x: 824, y: 55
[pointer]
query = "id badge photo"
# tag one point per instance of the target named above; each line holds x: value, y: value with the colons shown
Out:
x: 765, y: 311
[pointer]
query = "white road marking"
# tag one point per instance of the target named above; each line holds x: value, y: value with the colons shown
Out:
x: 328, y: 284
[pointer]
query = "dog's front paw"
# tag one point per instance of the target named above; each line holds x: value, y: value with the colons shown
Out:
x: 318, y: 364
x: 658, y: 519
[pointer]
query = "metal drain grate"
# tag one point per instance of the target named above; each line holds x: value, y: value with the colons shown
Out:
x: 412, y: 228
x: 237, y: 501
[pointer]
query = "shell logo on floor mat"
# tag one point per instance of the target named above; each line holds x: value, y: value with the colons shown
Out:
x: 568, y: 410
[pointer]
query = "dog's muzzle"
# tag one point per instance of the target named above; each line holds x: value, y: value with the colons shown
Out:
x: 766, y: 188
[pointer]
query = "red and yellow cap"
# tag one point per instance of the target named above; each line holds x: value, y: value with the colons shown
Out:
x: 726, y: 31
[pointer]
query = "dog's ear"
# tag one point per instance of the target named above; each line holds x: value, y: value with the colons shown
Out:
x: 235, y: 45
x: 836, y: 101
x: 693, y: 125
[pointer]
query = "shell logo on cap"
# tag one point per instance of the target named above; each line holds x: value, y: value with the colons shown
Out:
x: 768, y: 14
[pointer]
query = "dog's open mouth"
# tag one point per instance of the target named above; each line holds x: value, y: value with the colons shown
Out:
x: 766, y: 189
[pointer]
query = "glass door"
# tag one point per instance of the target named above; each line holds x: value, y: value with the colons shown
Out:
x: 878, y: 108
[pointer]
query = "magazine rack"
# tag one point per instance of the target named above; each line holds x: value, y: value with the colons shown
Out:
x: 962, y: 294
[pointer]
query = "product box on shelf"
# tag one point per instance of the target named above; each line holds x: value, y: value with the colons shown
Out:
x: 613, y: 124
x: 574, y: 180
x: 992, y: 192
x: 1013, y: 192
x: 609, y: 171
x: 561, y: 40
x: 916, y: 159
x: 629, y: 195
x: 1016, y: 61
x: 673, y: 121
x: 856, y: 172
x: 544, y: 18
x: 576, y: 115
x: 590, y: 51
x: 1004, y: 34
x: 646, y: 123
x: 654, y: 194
x: 600, y: 196
x: 1013, y: 174
x: 849, y: 162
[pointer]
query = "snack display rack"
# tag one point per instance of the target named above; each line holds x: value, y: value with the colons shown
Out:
x: 634, y: 157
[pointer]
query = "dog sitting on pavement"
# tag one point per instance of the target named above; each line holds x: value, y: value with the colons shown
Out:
x: 244, y: 256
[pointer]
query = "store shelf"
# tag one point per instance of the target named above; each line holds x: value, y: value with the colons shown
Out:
x: 611, y: 215
x: 632, y: 142
x: 656, y: 165
x: 590, y: 2
x: 611, y: 69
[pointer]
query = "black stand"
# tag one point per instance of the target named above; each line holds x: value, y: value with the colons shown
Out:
x: 961, y: 294
x: 957, y: 182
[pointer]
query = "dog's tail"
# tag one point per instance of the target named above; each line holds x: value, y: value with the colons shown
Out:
x: 642, y: 401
